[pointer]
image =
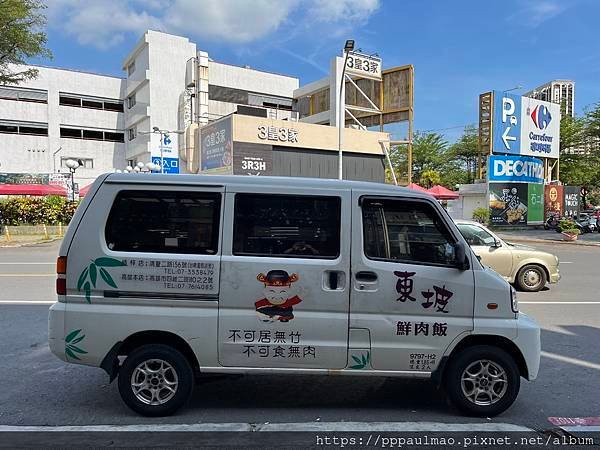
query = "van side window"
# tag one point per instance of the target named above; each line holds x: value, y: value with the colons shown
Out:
x: 406, y: 231
x: 164, y: 222
x: 287, y: 226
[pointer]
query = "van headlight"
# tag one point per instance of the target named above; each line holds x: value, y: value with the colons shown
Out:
x: 514, y: 304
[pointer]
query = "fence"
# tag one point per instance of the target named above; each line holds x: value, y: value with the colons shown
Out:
x: 27, y: 232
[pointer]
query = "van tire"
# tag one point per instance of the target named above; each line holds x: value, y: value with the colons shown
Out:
x: 169, y: 370
x: 471, y: 362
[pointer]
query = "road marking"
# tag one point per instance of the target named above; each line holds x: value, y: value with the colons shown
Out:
x: 566, y: 262
x: 559, y: 303
x: 269, y: 427
x: 27, y: 302
x: 27, y: 275
x: 568, y: 359
x: 27, y: 263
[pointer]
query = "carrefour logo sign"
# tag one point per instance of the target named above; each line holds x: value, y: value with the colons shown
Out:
x: 519, y: 169
x: 541, y: 117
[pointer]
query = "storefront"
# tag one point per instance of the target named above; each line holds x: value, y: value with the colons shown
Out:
x: 247, y: 145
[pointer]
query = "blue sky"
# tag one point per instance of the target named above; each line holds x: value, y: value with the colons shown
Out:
x: 459, y: 48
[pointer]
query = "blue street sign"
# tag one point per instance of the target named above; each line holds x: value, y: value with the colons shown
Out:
x: 171, y: 164
x: 518, y: 169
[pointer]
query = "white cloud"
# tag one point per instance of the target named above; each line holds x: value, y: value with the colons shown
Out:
x: 104, y: 23
x: 534, y: 13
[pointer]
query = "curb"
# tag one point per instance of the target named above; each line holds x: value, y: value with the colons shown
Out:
x: 29, y: 244
x: 548, y: 241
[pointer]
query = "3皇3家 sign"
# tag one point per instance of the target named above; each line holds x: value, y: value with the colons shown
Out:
x: 517, y: 169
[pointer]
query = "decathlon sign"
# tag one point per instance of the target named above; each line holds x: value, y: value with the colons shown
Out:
x: 525, y: 126
x: 518, y: 169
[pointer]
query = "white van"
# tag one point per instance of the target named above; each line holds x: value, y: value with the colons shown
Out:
x: 165, y: 278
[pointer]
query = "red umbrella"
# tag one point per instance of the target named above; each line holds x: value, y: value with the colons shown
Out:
x: 32, y: 189
x: 84, y: 190
x: 441, y: 193
x: 416, y: 187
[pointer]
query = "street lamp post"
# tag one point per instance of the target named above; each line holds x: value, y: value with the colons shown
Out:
x: 73, y: 166
x: 348, y: 47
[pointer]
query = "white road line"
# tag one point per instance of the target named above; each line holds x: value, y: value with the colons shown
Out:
x: 13, y: 275
x: 27, y: 263
x: 559, y: 303
x: 568, y: 359
x: 566, y: 262
x: 27, y: 302
x: 270, y: 427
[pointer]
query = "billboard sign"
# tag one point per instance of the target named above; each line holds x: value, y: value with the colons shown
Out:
x: 364, y: 66
x: 216, y: 147
x: 535, y: 204
x: 553, y: 200
x: 164, y: 148
x: 252, y: 159
x: 572, y: 200
x: 525, y: 126
x: 508, y: 204
x: 518, y: 169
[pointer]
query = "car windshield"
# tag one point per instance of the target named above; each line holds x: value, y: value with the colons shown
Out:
x: 475, y: 235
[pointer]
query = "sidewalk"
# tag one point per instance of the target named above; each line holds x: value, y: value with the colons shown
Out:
x: 546, y: 236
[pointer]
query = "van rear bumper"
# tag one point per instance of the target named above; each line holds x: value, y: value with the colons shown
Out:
x: 56, y: 329
x: 528, y: 341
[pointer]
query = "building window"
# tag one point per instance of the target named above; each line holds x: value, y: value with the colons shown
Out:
x: 131, y: 162
x: 406, y: 231
x: 90, y: 102
x: 94, y: 135
x: 289, y: 226
x: 35, y: 129
x: 131, y: 101
x: 131, y: 68
x: 164, y: 222
x: 86, y: 163
x: 23, y: 95
x: 131, y: 133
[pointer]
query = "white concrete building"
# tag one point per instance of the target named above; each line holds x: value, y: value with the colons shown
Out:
x: 107, y: 122
x: 60, y: 115
x: 561, y: 92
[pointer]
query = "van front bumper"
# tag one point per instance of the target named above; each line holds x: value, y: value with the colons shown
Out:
x: 56, y: 329
x: 528, y: 342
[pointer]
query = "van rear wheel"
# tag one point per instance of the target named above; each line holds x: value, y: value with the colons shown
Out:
x: 482, y: 381
x: 155, y: 380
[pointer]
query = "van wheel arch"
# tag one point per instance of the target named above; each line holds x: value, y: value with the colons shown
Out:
x: 482, y: 339
x: 111, y: 363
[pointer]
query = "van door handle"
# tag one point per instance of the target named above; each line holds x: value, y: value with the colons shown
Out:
x: 368, y: 277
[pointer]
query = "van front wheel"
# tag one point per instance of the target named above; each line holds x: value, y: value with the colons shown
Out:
x: 482, y: 380
x: 155, y: 380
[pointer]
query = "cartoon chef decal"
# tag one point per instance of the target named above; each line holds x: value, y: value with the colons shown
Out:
x: 279, y: 300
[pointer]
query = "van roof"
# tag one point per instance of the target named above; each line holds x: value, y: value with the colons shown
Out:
x: 262, y: 181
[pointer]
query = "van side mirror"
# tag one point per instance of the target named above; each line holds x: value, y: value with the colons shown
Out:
x: 460, y: 257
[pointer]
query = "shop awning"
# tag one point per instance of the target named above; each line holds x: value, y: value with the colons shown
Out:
x: 442, y: 193
x: 32, y: 189
x: 416, y: 187
x: 84, y: 190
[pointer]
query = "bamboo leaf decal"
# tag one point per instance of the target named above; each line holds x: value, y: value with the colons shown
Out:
x: 79, y: 339
x: 362, y: 362
x: 76, y: 349
x: 93, y: 274
x: 107, y: 278
x: 70, y: 354
x: 108, y: 262
x: 72, y: 335
x: 88, y: 290
x: 82, y: 278
x: 356, y: 359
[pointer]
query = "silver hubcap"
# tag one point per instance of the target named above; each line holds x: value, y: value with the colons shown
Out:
x: 154, y: 382
x: 484, y: 382
x: 531, y: 278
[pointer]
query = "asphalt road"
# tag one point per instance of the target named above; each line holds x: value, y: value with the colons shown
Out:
x: 38, y: 389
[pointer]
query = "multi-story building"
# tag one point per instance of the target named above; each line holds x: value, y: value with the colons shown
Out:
x: 107, y: 122
x: 561, y: 92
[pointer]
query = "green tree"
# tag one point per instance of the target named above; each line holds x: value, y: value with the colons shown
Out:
x: 465, y: 152
x: 21, y: 37
x: 430, y: 178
